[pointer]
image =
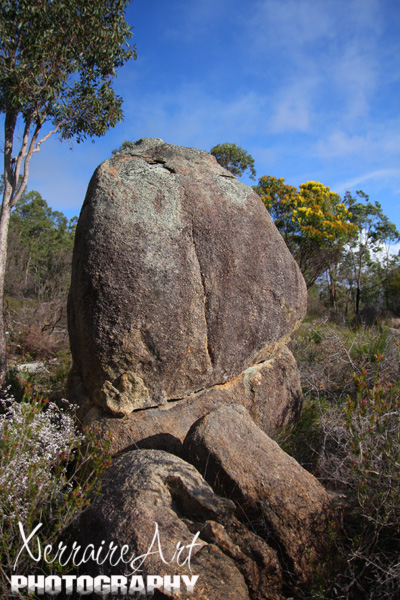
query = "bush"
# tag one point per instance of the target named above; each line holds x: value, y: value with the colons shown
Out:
x: 48, y: 471
x: 349, y: 437
x: 360, y: 456
x: 328, y: 354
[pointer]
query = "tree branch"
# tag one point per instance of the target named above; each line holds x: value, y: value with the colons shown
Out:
x: 46, y: 137
x: 27, y: 156
x: 22, y: 153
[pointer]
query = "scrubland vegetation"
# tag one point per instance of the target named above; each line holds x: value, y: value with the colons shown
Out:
x: 38, y: 277
x: 348, y: 355
x: 347, y: 351
x: 349, y: 438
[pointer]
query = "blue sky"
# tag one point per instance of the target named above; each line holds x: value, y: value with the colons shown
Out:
x: 310, y: 88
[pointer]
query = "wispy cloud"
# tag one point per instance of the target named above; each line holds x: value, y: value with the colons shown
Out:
x: 376, y: 175
x: 341, y: 144
x: 190, y: 20
x: 293, y: 108
x: 334, y: 43
x: 193, y: 115
x: 355, y: 77
x: 290, y: 24
x: 375, y: 141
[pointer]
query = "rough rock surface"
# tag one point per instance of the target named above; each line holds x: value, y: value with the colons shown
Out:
x: 270, y: 391
x: 244, y: 464
x: 145, y: 487
x: 180, y: 280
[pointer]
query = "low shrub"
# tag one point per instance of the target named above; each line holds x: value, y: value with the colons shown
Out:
x: 349, y: 437
x: 360, y: 456
x: 328, y: 354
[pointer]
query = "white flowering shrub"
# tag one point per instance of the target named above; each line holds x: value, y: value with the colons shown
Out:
x: 48, y: 471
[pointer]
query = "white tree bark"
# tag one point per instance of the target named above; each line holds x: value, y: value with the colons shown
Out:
x: 13, y: 190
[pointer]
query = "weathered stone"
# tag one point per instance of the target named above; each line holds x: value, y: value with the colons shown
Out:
x: 270, y: 391
x: 148, y: 487
x: 287, y: 503
x: 255, y: 559
x: 180, y: 280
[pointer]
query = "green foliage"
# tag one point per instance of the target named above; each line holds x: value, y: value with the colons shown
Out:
x: 343, y: 246
x: 40, y: 248
x: 361, y: 458
x: 373, y: 422
x: 37, y: 278
x: 234, y: 159
x: 329, y: 354
x: 304, y: 439
x: 393, y: 288
x: 63, y: 366
x: 15, y: 386
x: 48, y: 472
x: 57, y: 60
x: 126, y: 144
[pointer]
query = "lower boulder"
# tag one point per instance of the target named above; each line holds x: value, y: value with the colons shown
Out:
x: 269, y: 390
x: 174, y: 524
x: 285, y: 503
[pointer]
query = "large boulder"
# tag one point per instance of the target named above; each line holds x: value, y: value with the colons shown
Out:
x: 180, y: 281
x: 294, y: 511
x: 150, y: 495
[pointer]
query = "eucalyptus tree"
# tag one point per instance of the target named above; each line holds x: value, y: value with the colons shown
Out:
x: 375, y: 233
x: 58, y: 59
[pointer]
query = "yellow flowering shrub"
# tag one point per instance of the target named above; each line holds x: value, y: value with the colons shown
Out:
x: 313, y: 220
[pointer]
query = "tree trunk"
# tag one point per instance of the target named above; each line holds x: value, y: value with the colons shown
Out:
x: 332, y: 287
x: 10, y: 180
x: 358, y: 294
x: 4, y: 224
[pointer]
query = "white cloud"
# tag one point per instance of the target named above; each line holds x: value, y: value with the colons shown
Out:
x: 292, y: 113
x: 386, y: 252
x: 355, y: 75
x: 193, y: 115
x: 190, y: 20
x: 379, y: 174
x: 375, y: 141
x: 340, y: 143
x: 335, y: 43
x: 395, y: 249
x: 290, y: 24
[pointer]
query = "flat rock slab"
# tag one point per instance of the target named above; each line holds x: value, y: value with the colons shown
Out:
x: 146, y: 491
x: 180, y: 280
x: 243, y: 463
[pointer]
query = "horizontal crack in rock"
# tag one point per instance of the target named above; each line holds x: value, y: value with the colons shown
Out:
x: 174, y: 401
